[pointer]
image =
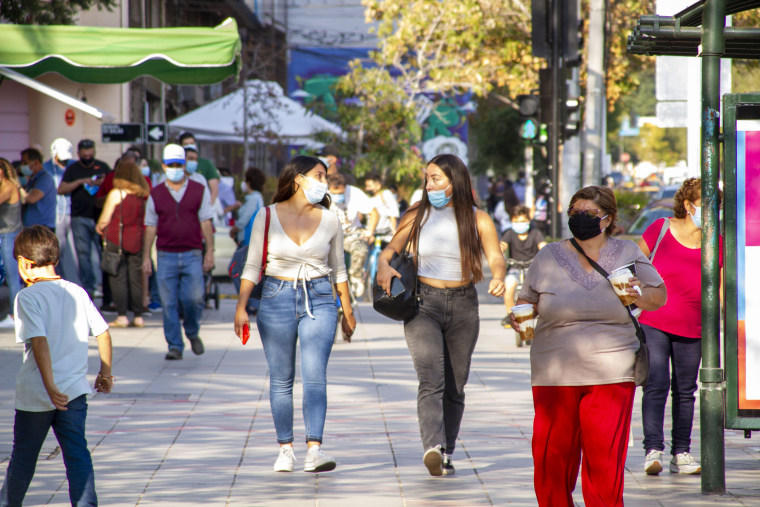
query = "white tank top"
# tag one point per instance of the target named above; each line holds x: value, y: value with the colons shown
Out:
x: 439, y: 256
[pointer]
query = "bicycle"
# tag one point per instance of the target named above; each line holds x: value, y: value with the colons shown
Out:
x: 522, y: 268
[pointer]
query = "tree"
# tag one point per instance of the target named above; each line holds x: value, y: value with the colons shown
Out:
x: 382, y: 130
x: 490, y: 128
x: 48, y: 12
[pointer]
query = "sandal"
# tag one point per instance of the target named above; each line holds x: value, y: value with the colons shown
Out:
x: 116, y: 323
x: 136, y: 324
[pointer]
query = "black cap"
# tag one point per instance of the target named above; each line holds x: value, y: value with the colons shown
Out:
x: 329, y: 149
x: 85, y: 144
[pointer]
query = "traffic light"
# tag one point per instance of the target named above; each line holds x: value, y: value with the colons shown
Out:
x: 529, y: 106
x: 571, y: 117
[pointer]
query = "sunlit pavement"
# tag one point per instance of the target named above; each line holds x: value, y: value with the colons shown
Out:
x: 199, y: 431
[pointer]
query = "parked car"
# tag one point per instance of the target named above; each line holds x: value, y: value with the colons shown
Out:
x: 668, y: 191
x: 657, y: 209
x: 224, y: 247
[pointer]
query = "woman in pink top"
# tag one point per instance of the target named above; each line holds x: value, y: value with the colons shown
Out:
x: 673, y: 332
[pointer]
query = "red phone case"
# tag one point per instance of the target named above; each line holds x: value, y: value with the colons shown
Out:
x: 246, y: 333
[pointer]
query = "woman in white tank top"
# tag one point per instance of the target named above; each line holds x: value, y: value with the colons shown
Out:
x: 450, y: 236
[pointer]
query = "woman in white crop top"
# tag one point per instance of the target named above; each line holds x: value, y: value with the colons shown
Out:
x: 304, y: 270
x: 451, y: 236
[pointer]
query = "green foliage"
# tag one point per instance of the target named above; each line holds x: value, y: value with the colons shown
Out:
x: 48, y: 12
x: 629, y: 203
x: 658, y: 145
x: 495, y: 131
x: 379, y: 121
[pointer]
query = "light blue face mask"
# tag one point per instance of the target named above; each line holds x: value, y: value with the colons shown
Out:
x: 316, y: 191
x: 175, y: 174
x: 697, y: 216
x: 338, y: 198
x: 26, y: 170
x: 192, y: 166
x: 438, y: 197
x: 520, y: 227
x: 145, y: 170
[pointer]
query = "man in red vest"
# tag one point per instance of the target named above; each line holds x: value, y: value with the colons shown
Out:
x: 178, y: 215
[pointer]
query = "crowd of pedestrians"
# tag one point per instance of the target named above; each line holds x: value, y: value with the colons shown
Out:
x: 305, y: 266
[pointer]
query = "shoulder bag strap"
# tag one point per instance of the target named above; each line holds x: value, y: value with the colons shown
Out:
x: 663, y: 231
x: 266, y: 244
x: 121, y: 218
x: 596, y: 266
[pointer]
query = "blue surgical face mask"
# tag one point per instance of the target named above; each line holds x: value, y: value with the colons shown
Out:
x: 145, y: 170
x: 520, y: 227
x: 175, y: 174
x: 316, y: 191
x: 192, y: 166
x: 26, y: 170
x: 438, y: 197
x: 697, y: 216
x: 338, y: 198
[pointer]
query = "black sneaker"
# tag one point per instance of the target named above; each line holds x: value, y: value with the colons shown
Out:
x: 197, y: 346
x: 448, y: 466
x: 109, y: 308
x: 173, y: 354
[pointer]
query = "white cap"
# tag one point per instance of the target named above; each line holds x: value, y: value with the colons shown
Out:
x: 174, y: 154
x: 62, y: 148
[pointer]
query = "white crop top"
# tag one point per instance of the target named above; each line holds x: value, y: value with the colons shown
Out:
x: 439, y: 255
x: 320, y: 255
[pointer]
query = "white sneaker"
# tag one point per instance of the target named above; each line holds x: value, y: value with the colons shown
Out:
x: 433, y: 459
x: 684, y: 463
x: 7, y: 322
x: 285, y: 460
x: 317, y: 460
x: 653, y: 462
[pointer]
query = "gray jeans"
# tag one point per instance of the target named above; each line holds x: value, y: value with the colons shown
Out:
x: 441, y: 339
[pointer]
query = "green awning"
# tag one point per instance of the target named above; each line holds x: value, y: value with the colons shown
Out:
x: 118, y: 55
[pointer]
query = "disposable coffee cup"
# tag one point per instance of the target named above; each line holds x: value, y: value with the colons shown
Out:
x: 619, y: 280
x: 524, y: 317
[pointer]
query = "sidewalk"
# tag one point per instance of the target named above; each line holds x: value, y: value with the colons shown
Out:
x: 199, y: 431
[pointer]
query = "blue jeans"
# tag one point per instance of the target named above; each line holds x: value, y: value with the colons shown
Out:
x: 684, y: 355
x: 86, y: 240
x: 281, y: 320
x: 29, y: 432
x: 11, y: 264
x: 180, y: 282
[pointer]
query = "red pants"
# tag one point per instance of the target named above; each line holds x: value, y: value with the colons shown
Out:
x: 569, y: 419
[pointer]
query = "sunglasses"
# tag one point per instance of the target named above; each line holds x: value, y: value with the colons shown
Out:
x: 591, y: 213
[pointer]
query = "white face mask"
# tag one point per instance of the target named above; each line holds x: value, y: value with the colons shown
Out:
x: 228, y: 180
x: 520, y: 227
x: 244, y: 187
x: 316, y: 191
x: 696, y: 217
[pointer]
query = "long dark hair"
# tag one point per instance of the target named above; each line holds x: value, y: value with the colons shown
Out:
x: 469, y: 241
x: 286, y: 185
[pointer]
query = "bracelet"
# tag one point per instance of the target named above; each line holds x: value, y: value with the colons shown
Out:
x: 103, y: 376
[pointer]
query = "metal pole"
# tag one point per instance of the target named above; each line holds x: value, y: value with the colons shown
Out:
x: 713, y: 392
x: 595, y: 94
x: 556, y: 30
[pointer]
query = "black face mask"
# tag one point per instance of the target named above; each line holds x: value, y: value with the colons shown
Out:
x: 86, y: 161
x: 584, y: 227
x: 371, y: 193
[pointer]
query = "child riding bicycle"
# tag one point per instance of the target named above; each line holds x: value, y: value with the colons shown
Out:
x: 521, y: 243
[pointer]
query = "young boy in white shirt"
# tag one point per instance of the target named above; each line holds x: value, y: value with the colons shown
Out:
x: 54, y: 319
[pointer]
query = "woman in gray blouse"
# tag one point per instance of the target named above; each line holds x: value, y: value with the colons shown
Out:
x: 10, y: 226
x: 451, y: 236
x: 582, y: 355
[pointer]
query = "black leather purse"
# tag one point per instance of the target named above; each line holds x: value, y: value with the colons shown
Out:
x: 404, y: 305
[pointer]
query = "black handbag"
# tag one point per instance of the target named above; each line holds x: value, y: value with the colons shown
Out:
x: 109, y: 261
x: 641, y: 362
x: 403, y: 306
